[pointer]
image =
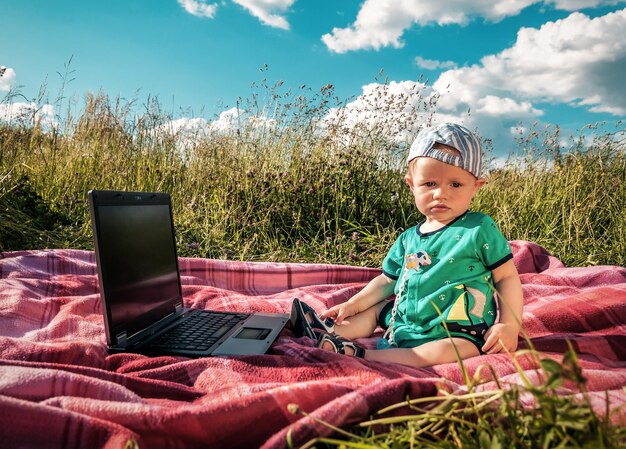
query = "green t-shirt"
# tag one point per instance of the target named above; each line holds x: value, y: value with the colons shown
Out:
x: 449, y: 268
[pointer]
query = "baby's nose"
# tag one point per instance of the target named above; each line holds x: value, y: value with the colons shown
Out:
x: 439, y: 192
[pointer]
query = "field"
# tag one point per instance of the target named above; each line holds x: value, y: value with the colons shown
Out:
x: 281, y: 190
x: 288, y: 193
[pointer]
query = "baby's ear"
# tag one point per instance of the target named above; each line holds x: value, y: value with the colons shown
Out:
x: 480, y: 182
x: 409, y: 180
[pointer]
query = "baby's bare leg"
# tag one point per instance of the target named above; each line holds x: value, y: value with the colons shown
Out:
x: 362, y: 324
x: 428, y: 354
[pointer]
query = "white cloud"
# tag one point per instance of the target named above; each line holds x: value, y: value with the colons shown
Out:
x: 394, y: 110
x: 197, y: 127
x: 431, y: 64
x: 28, y: 114
x: 577, y: 60
x: 269, y: 12
x: 199, y: 8
x: 7, y: 79
x: 238, y: 119
x: 230, y: 120
x: 502, y: 107
x: 188, y: 132
x: 381, y: 23
x: 398, y: 110
x: 575, y: 5
x: 608, y: 110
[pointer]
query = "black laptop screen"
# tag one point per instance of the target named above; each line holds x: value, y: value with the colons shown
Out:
x: 138, y: 260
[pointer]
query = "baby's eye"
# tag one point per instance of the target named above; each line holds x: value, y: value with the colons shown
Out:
x: 430, y: 184
x: 456, y: 185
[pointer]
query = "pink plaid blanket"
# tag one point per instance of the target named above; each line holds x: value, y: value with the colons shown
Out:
x: 60, y: 389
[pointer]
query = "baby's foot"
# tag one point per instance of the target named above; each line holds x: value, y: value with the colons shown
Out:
x: 327, y: 346
x: 339, y: 345
x: 305, y: 322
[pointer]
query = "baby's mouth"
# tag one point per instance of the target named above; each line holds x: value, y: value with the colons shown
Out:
x: 439, y: 208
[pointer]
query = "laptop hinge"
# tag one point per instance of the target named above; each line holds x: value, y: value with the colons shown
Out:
x: 178, y: 306
x: 121, y: 339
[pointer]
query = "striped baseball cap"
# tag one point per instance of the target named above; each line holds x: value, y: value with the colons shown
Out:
x: 455, y: 136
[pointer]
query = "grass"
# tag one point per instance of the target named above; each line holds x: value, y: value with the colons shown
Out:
x: 277, y: 189
x: 532, y: 414
x: 289, y: 193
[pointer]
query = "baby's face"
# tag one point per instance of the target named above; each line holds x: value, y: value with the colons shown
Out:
x: 442, y: 191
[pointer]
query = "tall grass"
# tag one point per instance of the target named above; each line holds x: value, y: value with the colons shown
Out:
x: 572, y: 203
x: 278, y: 189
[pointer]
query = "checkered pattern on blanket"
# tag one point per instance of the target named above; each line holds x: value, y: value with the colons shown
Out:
x: 59, y: 388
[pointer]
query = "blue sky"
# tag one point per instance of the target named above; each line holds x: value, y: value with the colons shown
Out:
x: 559, y: 62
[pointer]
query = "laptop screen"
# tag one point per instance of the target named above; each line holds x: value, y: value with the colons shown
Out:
x: 137, y: 260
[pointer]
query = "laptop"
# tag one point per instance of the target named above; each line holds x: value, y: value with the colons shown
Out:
x: 142, y: 300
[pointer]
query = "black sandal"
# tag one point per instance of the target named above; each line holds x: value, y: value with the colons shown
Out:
x: 304, y: 321
x: 339, y: 344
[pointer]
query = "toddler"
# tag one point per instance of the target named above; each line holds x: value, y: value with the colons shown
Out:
x: 443, y: 273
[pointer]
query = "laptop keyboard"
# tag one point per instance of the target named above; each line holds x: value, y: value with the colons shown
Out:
x: 199, y: 331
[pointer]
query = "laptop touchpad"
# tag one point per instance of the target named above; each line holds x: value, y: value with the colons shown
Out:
x: 253, y: 333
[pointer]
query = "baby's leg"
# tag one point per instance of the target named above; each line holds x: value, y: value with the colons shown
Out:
x: 362, y: 324
x: 428, y: 354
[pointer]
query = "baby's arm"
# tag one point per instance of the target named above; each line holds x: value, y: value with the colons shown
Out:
x: 375, y: 291
x: 504, y: 333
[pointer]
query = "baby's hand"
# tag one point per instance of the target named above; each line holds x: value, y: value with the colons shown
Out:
x: 501, y: 336
x: 340, y: 312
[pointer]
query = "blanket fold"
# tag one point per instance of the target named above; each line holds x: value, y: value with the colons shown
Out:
x: 59, y: 388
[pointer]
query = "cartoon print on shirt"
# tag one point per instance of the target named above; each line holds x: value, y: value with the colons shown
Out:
x: 479, y: 302
x: 417, y: 260
x: 458, y: 311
